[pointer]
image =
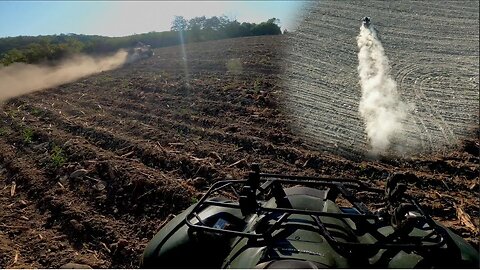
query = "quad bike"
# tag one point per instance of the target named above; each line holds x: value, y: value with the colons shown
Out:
x: 140, y: 51
x: 280, y: 221
x: 366, y: 21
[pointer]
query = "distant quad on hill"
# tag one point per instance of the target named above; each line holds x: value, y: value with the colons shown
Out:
x: 140, y: 51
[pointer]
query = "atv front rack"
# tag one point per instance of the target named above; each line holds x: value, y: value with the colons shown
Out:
x: 259, y: 186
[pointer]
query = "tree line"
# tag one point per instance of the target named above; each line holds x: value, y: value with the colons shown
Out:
x: 30, y: 49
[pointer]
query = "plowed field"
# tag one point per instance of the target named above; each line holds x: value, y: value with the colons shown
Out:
x: 433, y: 51
x: 90, y: 170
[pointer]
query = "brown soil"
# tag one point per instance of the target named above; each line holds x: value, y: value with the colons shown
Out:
x: 100, y: 164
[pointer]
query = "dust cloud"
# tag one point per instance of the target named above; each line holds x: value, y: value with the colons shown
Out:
x: 380, y: 105
x: 19, y: 78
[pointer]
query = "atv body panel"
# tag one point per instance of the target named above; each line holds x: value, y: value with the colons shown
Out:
x: 303, y: 226
x: 169, y: 247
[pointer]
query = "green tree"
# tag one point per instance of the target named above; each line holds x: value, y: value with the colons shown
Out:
x: 12, y: 56
x: 179, y: 24
x: 269, y: 27
x: 195, y: 26
x: 212, y: 24
x: 53, y: 47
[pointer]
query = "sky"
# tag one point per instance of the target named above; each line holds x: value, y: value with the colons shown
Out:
x: 122, y: 18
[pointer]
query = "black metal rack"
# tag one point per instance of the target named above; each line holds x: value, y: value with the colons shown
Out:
x: 259, y: 185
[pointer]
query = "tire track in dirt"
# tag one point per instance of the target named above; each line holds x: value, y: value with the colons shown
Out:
x: 419, y: 126
x: 435, y: 95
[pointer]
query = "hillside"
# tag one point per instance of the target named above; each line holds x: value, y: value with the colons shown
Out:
x: 91, y: 170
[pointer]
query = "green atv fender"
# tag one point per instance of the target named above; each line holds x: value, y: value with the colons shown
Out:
x: 177, y: 246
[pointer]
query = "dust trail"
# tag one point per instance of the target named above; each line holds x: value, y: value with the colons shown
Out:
x: 380, y: 104
x: 19, y: 78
